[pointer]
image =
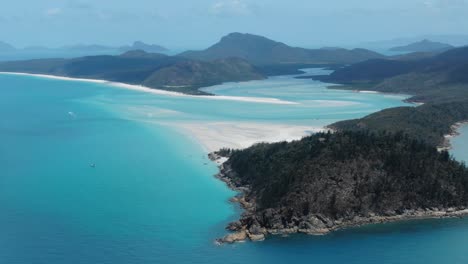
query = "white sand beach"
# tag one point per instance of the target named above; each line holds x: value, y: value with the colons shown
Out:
x: 216, y: 135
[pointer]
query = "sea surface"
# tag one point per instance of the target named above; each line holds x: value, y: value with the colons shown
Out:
x: 460, y: 144
x: 92, y: 173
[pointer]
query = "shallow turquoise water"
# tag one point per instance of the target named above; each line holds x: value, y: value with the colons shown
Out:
x: 151, y: 197
x: 460, y: 144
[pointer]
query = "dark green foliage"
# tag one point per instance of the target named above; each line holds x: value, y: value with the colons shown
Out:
x: 429, y: 122
x: 224, y: 152
x: 199, y: 74
x: 351, y: 173
x: 370, y: 71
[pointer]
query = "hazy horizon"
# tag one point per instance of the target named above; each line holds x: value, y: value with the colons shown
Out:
x: 187, y: 24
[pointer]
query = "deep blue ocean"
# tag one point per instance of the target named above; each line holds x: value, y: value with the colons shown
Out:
x: 92, y: 173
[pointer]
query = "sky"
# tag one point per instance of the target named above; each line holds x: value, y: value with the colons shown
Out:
x: 200, y: 23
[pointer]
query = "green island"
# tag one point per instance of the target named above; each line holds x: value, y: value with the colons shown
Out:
x: 330, y: 181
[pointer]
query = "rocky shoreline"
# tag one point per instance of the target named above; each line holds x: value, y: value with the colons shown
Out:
x: 256, y: 225
x: 446, y: 144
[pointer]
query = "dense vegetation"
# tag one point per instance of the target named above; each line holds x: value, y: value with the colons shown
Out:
x: 428, y: 123
x: 138, y: 67
x: 199, y: 74
x: 341, y: 175
x: 259, y: 50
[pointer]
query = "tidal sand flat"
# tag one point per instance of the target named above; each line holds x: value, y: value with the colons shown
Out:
x: 237, y: 135
x: 152, y: 197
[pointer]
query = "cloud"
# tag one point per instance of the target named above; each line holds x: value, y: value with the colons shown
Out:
x: 231, y: 8
x: 53, y: 11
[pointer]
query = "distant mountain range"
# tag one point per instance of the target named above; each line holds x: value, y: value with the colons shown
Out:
x: 424, y: 46
x: 8, y: 52
x: 259, y: 50
x: 237, y: 57
x: 385, y: 45
x: 242, y: 57
x: 138, y: 45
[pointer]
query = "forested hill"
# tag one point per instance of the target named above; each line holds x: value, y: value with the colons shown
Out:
x: 427, y: 77
x: 330, y: 180
x: 200, y: 73
x: 139, y: 67
x: 429, y: 122
x: 260, y: 50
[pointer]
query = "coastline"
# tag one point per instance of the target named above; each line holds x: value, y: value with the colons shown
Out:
x: 141, y: 88
x: 447, y: 144
x: 336, y: 86
x: 248, y: 228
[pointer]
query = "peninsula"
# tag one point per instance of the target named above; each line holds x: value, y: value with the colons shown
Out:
x: 329, y: 181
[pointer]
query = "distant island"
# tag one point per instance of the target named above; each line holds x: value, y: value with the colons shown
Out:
x: 424, y: 46
x: 140, y: 45
x: 9, y: 52
x: 260, y: 50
